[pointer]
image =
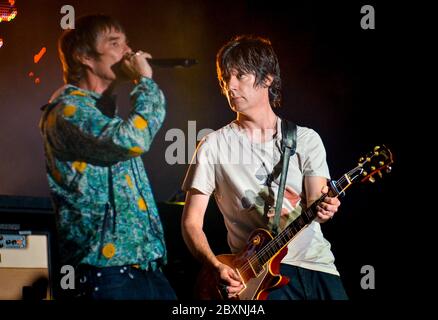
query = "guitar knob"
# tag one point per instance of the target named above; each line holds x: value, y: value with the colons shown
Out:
x: 371, y: 179
x: 381, y: 163
x: 388, y: 169
x: 373, y: 168
x: 380, y: 174
x: 364, y: 173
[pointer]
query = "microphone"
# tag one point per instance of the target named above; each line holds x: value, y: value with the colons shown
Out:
x: 172, y: 62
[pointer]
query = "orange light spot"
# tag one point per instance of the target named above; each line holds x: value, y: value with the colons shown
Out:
x: 37, y: 81
x: 39, y: 55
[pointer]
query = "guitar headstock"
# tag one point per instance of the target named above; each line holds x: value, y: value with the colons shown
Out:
x: 375, y: 162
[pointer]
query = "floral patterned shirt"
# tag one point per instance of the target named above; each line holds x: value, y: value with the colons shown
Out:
x: 105, y: 210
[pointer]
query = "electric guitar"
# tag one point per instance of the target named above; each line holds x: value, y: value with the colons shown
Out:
x: 258, y: 264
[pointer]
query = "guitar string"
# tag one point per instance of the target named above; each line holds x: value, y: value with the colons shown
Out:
x: 247, y: 265
x: 270, y: 245
x: 282, y: 235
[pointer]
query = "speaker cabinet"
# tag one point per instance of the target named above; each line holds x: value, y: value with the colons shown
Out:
x: 24, y: 272
x: 26, y: 248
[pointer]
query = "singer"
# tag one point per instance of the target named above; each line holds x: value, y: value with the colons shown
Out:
x: 108, y: 226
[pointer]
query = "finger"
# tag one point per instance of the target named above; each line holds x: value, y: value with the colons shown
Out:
x: 128, y: 55
x: 234, y: 278
x: 328, y: 207
x: 143, y: 54
x: 333, y: 201
x: 234, y: 282
x: 324, y: 189
x: 322, y: 217
x: 233, y: 291
x: 324, y: 214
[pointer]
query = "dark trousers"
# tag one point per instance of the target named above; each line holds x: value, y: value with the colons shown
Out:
x: 305, y: 284
x: 122, y: 283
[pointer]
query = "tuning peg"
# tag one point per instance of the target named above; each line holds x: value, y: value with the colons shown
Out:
x: 371, y: 179
x: 388, y: 169
x: 361, y: 159
x: 373, y: 168
x: 381, y: 163
x: 376, y: 150
x: 364, y: 173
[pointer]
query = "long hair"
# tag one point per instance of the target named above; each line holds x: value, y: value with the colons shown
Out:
x: 82, y: 41
x: 250, y: 54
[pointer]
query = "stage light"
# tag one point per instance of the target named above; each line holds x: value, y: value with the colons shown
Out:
x: 8, y: 12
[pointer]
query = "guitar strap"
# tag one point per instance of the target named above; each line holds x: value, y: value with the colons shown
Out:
x: 288, y: 146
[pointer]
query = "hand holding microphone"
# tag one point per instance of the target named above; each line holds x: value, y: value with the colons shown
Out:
x: 135, y: 65
x: 139, y: 63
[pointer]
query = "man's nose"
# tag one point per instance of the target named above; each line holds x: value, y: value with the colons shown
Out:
x: 232, y: 83
x: 127, y: 49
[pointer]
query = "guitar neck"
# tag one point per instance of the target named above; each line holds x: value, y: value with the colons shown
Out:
x: 336, y: 188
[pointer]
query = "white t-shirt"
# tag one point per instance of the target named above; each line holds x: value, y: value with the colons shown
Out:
x: 241, y: 175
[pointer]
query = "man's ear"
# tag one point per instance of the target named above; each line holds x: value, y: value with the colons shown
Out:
x: 84, y: 59
x: 268, y: 81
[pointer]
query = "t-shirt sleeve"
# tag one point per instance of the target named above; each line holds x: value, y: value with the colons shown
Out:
x: 315, y: 162
x: 201, y: 172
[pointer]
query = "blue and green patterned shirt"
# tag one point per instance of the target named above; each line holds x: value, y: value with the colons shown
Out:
x: 105, y: 210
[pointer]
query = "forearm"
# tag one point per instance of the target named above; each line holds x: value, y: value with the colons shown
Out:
x: 197, y: 242
x: 148, y: 103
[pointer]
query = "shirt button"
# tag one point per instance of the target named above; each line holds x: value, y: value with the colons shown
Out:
x: 96, y: 288
x: 99, y: 274
x: 122, y: 271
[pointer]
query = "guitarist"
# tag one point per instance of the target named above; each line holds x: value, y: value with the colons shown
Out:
x: 241, y: 164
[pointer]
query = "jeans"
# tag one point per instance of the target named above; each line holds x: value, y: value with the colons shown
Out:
x: 122, y: 283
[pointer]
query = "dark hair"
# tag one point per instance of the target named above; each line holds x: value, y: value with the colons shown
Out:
x: 82, y: 41
x: 250, y: 54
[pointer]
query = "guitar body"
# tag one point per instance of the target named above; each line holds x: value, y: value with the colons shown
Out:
x: 259, y: 278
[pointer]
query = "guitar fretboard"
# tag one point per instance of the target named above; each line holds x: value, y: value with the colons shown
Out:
x: 307, y: 216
